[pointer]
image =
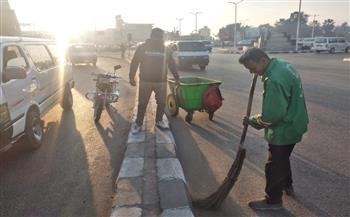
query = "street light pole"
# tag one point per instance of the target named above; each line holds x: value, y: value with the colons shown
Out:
x: 195, y: 14
x: 179, y: 19
x: 313, y: 25
x: 234, y: 34
x: 298, y: 26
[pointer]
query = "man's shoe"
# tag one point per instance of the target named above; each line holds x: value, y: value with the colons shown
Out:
x: 162, y: 125
x: 264, y: 205
x: 289, y: 190
x: 135, y: 128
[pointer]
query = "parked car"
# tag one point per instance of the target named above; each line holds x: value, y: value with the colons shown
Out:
x: 33, y: 78
x: 306, y: 43
x: 330, y: 44
x: 245, y: 43
x: 188, y: 53
x: 82, y: 53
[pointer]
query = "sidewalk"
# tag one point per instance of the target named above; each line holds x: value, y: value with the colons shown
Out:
x: 151, y: 181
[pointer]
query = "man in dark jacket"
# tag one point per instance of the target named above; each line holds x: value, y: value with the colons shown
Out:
x: 284, y: 119
x: 154, y: 59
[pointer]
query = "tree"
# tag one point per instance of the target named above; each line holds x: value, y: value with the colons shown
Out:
x: 226, y: 33
x: 293, y: 18
x: 343, y: 30
x: 328, y: 27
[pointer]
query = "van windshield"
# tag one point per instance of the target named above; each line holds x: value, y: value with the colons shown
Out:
x: 192, y: 46
x: 83, y: 48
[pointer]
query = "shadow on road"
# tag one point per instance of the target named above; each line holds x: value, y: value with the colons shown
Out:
x: 56, y: 176
x: 201, y: 179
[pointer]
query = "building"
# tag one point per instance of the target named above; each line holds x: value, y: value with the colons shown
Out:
x: 8, y: 20
x: 204, y: 32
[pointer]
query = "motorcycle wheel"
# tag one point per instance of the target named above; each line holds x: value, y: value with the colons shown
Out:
x: 98, y: 107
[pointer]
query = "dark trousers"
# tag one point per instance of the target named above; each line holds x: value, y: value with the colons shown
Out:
x: 277, y: 171
x: 145, y: 91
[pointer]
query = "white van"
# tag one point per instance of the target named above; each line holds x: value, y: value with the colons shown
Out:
x: 330, y: 44
x: 188, y: 53
x: 33, y: 78
x: 82, y: 53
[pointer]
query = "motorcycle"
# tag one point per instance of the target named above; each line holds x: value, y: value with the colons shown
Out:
x: 106, y: 91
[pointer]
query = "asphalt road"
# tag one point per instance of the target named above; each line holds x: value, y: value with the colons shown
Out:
x: 320, y: 162
x: 74, y: 172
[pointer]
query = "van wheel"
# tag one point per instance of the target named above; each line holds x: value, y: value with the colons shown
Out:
x: 67, y: 99
x: 202, y: 67
x: 347, y: 50
x: 94, y: 64
x: 332, y: 50
x: 34, y: 130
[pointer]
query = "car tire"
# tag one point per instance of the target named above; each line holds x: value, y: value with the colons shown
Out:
x: 202, y: 67
x: 347, y: 50
x: 67, y: 99
x: 332, y: 50
x: 34, y: 130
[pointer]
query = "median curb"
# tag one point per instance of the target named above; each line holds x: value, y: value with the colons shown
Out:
x: 151, y: 180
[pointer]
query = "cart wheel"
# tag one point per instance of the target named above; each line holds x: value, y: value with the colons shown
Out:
x: 211, y: 115
x: 189, y: 117
x: 173, y: 107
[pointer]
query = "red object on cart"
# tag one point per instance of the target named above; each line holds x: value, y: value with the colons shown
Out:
x: 212, y: 98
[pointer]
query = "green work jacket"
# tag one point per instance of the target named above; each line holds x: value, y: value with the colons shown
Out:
x: 284, y: 114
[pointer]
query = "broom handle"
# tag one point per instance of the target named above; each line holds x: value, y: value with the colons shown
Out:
x: 249, y: 109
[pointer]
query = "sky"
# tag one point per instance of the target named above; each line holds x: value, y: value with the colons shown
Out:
x: 77, y: 15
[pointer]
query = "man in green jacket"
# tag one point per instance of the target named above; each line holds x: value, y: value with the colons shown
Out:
x: 284, y: 119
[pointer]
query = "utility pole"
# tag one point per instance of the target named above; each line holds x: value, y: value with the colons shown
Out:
x: 179, y: 19
x: 298, y: 26
x: 313, y: 25
x: 235, y: 35
x: 195, y: 14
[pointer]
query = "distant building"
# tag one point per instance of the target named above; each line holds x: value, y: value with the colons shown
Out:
x: 138, y: 32
x: 8, y: 20
x: 204, y: 32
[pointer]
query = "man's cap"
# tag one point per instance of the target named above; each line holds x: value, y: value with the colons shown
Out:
x: 157, y: 33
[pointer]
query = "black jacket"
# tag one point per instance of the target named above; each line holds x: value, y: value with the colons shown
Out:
x: 154, y: 59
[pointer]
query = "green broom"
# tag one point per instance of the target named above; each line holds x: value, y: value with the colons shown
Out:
x: 216, y: 198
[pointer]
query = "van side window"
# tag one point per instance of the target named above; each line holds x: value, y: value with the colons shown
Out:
x: 40, y: 56
x: 341, y: 40
x: 332, y: 40
x: 13, y: 57
x: 55, y: 53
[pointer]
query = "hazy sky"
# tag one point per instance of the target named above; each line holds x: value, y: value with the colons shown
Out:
x: 75, y: 15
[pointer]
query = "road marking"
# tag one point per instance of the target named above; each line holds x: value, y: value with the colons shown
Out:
x: 346, y: 59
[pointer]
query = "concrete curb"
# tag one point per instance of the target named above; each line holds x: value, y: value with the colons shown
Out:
x: 134, y: 195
